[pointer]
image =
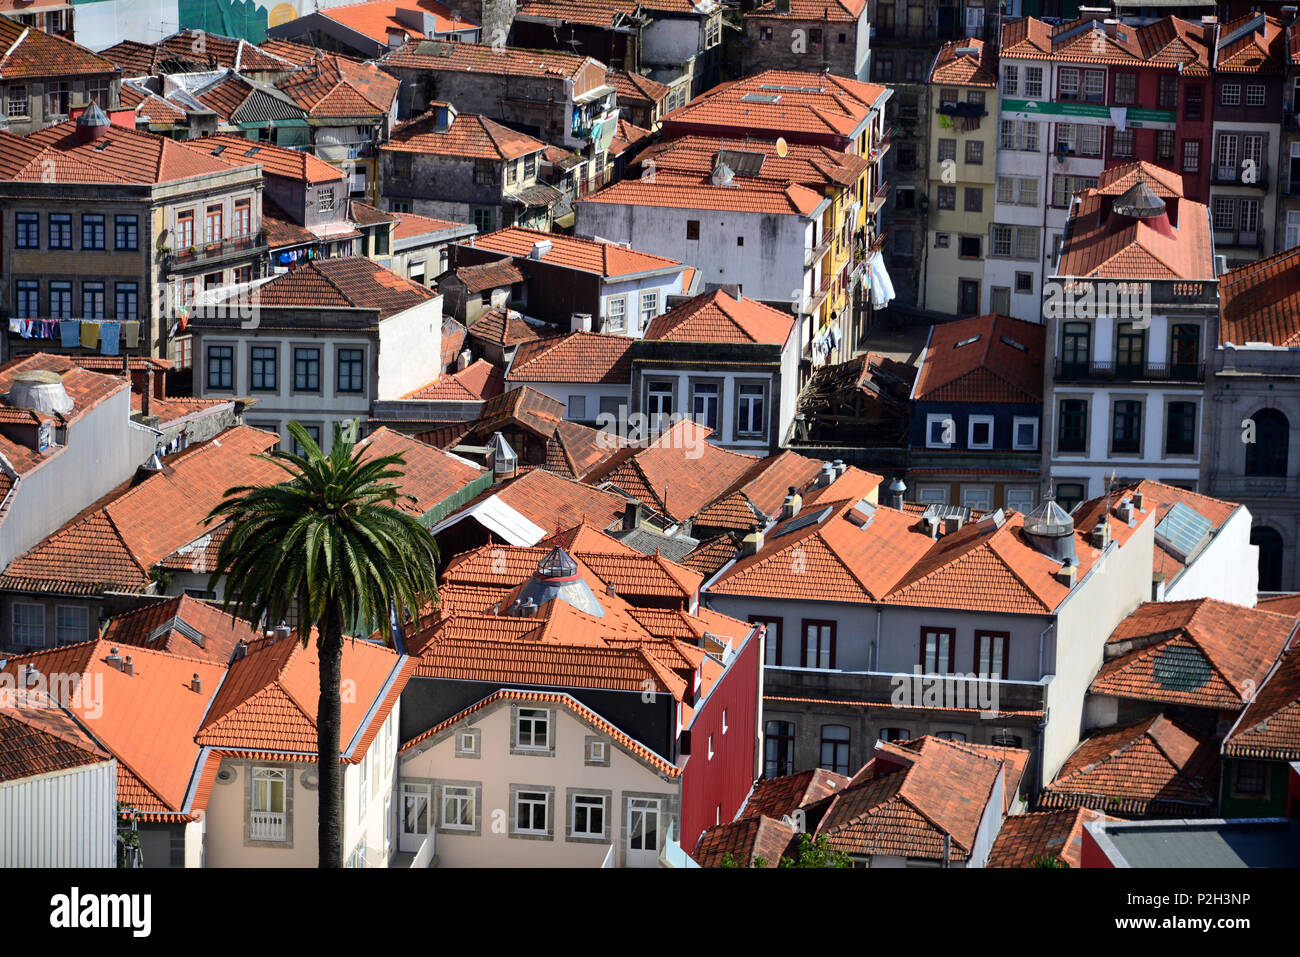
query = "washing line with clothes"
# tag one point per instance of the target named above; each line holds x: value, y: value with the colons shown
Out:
x: 105, y: 334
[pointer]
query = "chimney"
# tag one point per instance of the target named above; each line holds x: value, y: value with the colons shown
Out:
x: 196, y: 684
x: 826, y: 476
x: 840, y: 467
x: 128, y: 667
x: 1125, y: 511
x: 1157, y: 586
x: 1101, y: 533
x: 793, y: 501
x: 540, y: 249
x: 752, y: 543
x: 241, y: 649
x: 1066, y: 575
x: 1138, y: 500
x: 114, y: 659
x: 396, y: 37
x: 524, y: 608
x: 31, y: 675
x: 631, y: 516
x: 952, y: 524
x: 282, y: 630
x: 580, y: 322
x: 611, y: 590
x: 463, y: 360
x: 146, y: 396
x: 896, y: 489
x: 1208, y: 27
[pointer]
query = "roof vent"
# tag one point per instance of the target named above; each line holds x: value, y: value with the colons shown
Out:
x: 826, y: 476
x: 92, y: 123
x: 752, y: 543
x: 501, y: 458
x: 840, y: 467
x: 196, y: 684
x: 723, y: 175
x: 31, y: 675
x: 128, y: 667
x: 1051, y: 531
x: 40, y: 390
x: 793, y: 501
x: 1125, y: 511
x: 1139, y: 202
x: 540, y: 249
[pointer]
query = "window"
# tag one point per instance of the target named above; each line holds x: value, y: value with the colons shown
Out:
x: 750, y: 420
x: 948, y: 94
x: 1193, y: 105
x: 942, y: 240
x: 97, y: 90
x: 243, y: 220
x: 1010, y: 80
x: 1022, y: 499
x: 28, y: 299
x: 771, y: 638
x: 947, y: 150
x: 1230, y: 94
x: 60, y: 231
x: 643, y: 825
x: 1122, y: 143
x: 532, y: 729
x: 1249, y: 218
x: 968, y: 247
x: 306, y: 370
x: 1024, y: 433
x: 212, y: 224
x: 659, y: 400
x: 895, y: 734
x: 1033, y: 81
x: 947, y: 197
x: 884, y: 65
x: 1000, y: 299
x: 835, y: 748
x: 313, y: 433
x: 1001, y: 241
x: 1184, y: 350
x: 1073, y: 431
x: 1126, y: 427
x: 1191, y: 156
x: 649, y: 306
x: 27, y: 229
x: 587, y: 816
x: 263, y: 364
x: 512, y: 172
x: 415, y: 809
x: 1067, y: 83
x: 126, y: 297
x: 819, y: 644
x: 1267, y: 455
x: 704, y: 404
x: 484, y: 173
x: 92, y: 231
x: 1067, y: 138
x: 184, y: 229
x: 938, y: 650
x: 906, y: 155
x: 1069, y: 494
x: 778, y: 749
x: 28, y: 624
x: 1180, y: 428
x: 692, y: 229
x: 530, y: 166
x: 60, y: 300
x: 56, y: 98
x: 1090, y: 140
x: 979, y: 432
x: 1250, y: 779
x: 974, y: 152
x: 17, y: 105
x: 576, y: 408
x: 1165, y: 144
x: 616, y: 314
x: 1130, y: 349
x: 458, y: 808
x: 1064, y: 188
x: 978, y: 497
x: 126, y: 232
x: 1254, y: 94
x: 596, y: 752
x: 940, y: 431
x: 1017, y: 190
x: 92, y: 300
x: 530, y: 812
x: 221, y: 367
x: 1025, y: 283
x: 903, y: 244
x: 1168, y: 95
x: 974, y: 199
x: 1076, y: 348
x: 1094, y: 86
x: 351, y: 374
x: 267, y: 816
x: 1126, y: 88
x: 991, y: 654
x: 467, y: 743
x: 483, y: 218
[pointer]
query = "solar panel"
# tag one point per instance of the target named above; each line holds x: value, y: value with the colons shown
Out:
x: 1183, y: 530
x: 742, y: 162
x: 760, y: 98
x: 800, y: 522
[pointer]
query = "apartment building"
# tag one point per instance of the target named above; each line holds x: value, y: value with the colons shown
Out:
x: 44, y: 77
x: 369, y: 29
x: 111, y: 234
x: 808, y: 35
x: 963, y: 141
x: 1078, y: 98
x: 1129, y: 315
x: 1288, y: 160
x: 1249, y: 79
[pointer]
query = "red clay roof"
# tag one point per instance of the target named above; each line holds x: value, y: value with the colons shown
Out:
x: 37, y: 737
x: 344, y: 282
x: 550, y: 501
x: 28, y: 53
x: 585, y: 255
x: 409, y: 225
x: 470, y: 136
x: 1262, y: 50
x: 184, y: 626
x: 834, y: 11
x: 717, y: 317
x: 1269, y: 728
x: 968, y: 62
x: 440, y: 56
x: 374, y: 18
x: 1117, y: 180
x: 991, y: 358
x: 335, y: 87
x: 1202, y: 653
x: 675, y: 190
x: 503, y: 327
x: 1120, y: 247
x: 816, y: 167
x: 1026, y: 838
x: 574, y: 357
x: 1285, y: 604
x: 491, y: 275
x: 757, y: 496
x: 777, y: 797
x: 431, y: 474
x: 744, y: 841
x: 297, y: 165
x: 478, y: 381
x: 633, y: 87
x: 1154, y: 767
x: 1169, y: 43
x: 1260, y: 302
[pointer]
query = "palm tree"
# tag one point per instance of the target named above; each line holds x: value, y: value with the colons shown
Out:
x: 331, y: 539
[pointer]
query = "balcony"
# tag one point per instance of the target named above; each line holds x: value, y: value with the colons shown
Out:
x: 1239, y: 239
x: 816, y: 253
x: 210, y: 253
x: 878, y: 198
x: 1240, y: 176
x: 881, y: 146
x: 1126, y: 372
x: 266, y: 826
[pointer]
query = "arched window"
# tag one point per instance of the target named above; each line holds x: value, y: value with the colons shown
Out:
x: 1269, y: 541
x: 1267, y: 455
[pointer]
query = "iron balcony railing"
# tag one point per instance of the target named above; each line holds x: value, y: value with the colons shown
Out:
x: 1067, y: 371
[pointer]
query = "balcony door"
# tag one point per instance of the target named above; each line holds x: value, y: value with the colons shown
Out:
x: 1130, y: 350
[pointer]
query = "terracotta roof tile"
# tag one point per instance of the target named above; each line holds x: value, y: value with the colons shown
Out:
x: 1169, y: 42
x: 1269, y: 728
x: 688, y: 191
x: 607, y: 14
x: 777, y: 797
x: 470, y: 136
x: 439, y: 56
x: 183, y: 626
x: 491, y: 275
x: 337, y: 87
x: 478, y: 381
x: 1285, y: 604
x: 586, y: 255
x: 745, y: 840
x: 633, y: 87
x: 1260, y: 302
x: 1261, y: 51
x: 1026, y: 838
x: 834, y: 11
x: 712, y: 554
x: 967, y: 62
x: 374, y: 18
x: 573, y: 357
x: 718, y: 317
x: 297, y: 165
x: 410, y: 225
x: 431, y: 474
x: 990, y: 358
x: 344, y: 282
x: 503, y: 327
x: 816, y: 167
x: 37, y: 737
x: 27, y: 53
x: 759, y: 494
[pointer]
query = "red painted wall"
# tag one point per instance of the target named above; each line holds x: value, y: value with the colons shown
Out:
x: 727, y: 778
x: 1090, y: 855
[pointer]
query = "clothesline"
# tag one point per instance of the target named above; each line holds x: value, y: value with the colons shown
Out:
x: 108, y: 335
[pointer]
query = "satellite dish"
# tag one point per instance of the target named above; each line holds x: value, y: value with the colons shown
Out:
x: 781, y: 147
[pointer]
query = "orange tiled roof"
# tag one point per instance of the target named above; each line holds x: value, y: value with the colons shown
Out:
x: 1119, y: 247
x: 991, y: 358
x: 757, y: 496
x: 585, y: 255
x: 1285, y: 604
x: 834, y: 11
x: 478, y: 381
x: 1117, y: 180
x: 490, y: 275
x: 549, y: 501
x: 1154, y: 767
x: 607, y: 14
x: 297, y: 165
x: 281, y: 231
x: 743, y: 841
x: 333, y: 87
x: 470, y: 136
x: 1262, y: 50
x: 712, y: 554
x: 686, y: 191
x: 183, y: 626
x: 777, y: 797
x: 344, y: 282
x: 573, y: 449
x: 1260, y: 301
x: 1026, y: 838
x: 439, y: 56
x: 574, y: 357
x: 968, y: 62
x: 633, y: 87
x: 28, y: 53
x: 627, y: 135
x: 410, y: 225
x: 815, y: 167
x: 1161, y: 498
x: 374, y: 18
x: 1203, y: 653
x: 37, y: 737
x: 431, y: 475
x: 299, y: 54
x: 1269, y: 728
x: 503, y: 327
x: 1167, y: 43
x: 717, y: 317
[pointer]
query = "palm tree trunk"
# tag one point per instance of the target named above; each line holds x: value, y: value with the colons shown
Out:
x: 329, y: 645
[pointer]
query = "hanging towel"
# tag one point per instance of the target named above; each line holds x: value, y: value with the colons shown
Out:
x: 16, y: 326
x: 109, y: 333
x: 70, y: 333
x: 131, y: 334
x: 89, y: 334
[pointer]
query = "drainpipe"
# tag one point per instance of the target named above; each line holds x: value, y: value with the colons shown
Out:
x: 875, y: 649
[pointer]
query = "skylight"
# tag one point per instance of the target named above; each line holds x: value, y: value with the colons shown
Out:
x: 1008, y: 341
x: 760, y: 98
x: 1182, y: 531
x: 966, y: 342
x: 800, y: 522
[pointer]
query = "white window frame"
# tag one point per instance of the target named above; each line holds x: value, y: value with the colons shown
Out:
x: 576, y: 407
x: 546, y: 812
x: 616, y: 318
x: 363, y: 797
x: 462, y: 738
x: 589, y: 801
x: 414, y: 791
x: 932, y: 495
x: 26, y: 625
x: 985, y: 494
x: 533, y: 716
x: 461, y: 796
x: 971, y: 422
x: 1016, y: 423
x: 276, y: 825
x: 81, y: 628
x: 1030, y: 500
x: 939, y: 417
x: 649, y: 306
x: 746, y: 401
x: 597, y: 751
